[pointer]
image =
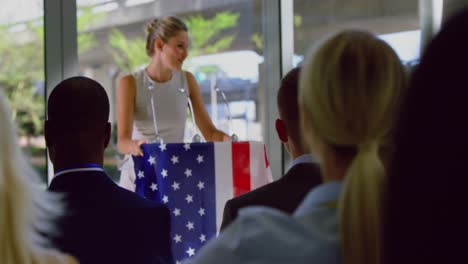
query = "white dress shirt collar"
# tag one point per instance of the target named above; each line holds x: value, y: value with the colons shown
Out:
x: 84, y: 167
x: 305, y: 158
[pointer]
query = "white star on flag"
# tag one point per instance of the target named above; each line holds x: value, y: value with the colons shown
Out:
x: 152, y: 160
x: 191, y: 251
x: 201, y: 185
x: 174, y: 159
x: 188, y: 172
x: 190, y: 226
x: 187, y: 146
x: 189, y: 198
x: 176, y: 186
x: 165, y: 199
x: 198, y: 185
x: 202, y: 238
x: 177, y: 238
x: 162, y: 146
x: 176, y: 212
x: 201, y: 211
x: 199, y: 158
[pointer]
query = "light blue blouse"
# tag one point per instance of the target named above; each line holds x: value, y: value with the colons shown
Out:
x: 265, y: 235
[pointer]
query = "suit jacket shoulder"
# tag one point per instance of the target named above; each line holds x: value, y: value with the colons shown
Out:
x: 104, y: 223
x: 284, y: 194
x: 87, y: 190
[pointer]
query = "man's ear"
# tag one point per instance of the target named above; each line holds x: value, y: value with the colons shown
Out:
x: 281, y: 130
x: 107, y: 136
x: 49, y: 139
x: 48, y: 133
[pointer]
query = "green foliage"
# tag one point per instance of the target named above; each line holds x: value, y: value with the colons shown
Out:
x: 257, y: 40
x: 85, y: 21
x: 22, y: 69
x: 297, y: 20
x: 128, y: 54
x: 208, y: 35
x: 208, y: 69
x: 27, y: 108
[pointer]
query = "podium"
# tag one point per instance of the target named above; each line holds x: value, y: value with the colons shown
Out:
x: 195, y: 180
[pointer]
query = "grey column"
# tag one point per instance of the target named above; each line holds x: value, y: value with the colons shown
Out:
x: 60, y: 42
x: 430, y: 19
x: 271, y: 80
x: 278, y: 50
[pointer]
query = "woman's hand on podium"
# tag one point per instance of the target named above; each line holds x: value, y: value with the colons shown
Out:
x: 135, y: 147
x: 219, y: 136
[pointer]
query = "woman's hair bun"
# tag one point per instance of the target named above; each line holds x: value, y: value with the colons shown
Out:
x: 151, y: 26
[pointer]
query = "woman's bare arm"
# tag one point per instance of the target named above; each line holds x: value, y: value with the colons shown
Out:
x: 204, y: 123
x: 125, y: 113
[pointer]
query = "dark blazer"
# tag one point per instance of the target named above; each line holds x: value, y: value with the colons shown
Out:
x: 284, y: 194
x: 104, y: 223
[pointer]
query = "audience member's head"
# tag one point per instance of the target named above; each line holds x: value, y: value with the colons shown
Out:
x: 77, y: 129
x: 350, y: 87
x: 25, y: 209
x: 288, y: 125
x: 426, y: 216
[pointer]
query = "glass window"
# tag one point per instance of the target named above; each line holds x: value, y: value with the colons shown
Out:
x: 226, y: 56
x: 22, y: 74
x: 395, y: 21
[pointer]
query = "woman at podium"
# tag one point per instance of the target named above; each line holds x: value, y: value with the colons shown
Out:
x: 152, y: 102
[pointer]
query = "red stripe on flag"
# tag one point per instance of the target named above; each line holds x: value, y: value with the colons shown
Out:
x: 240, y: 167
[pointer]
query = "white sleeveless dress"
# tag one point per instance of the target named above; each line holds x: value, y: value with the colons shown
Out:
x: 170, y: 105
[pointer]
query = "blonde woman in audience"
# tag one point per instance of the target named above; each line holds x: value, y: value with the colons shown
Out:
x: 25, y: 209
x: 350, y: 87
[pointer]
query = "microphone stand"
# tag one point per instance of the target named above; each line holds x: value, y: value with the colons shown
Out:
x: 196, y: 137
x: 234, y: 137
x: 157, y: 136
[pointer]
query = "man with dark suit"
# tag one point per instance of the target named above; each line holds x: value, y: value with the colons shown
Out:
x: 303, y: 173
x: 102, y: 223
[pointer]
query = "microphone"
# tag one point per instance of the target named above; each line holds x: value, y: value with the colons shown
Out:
x: 196, y: 138
x: 234, y: 137
x: 157, y: 136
